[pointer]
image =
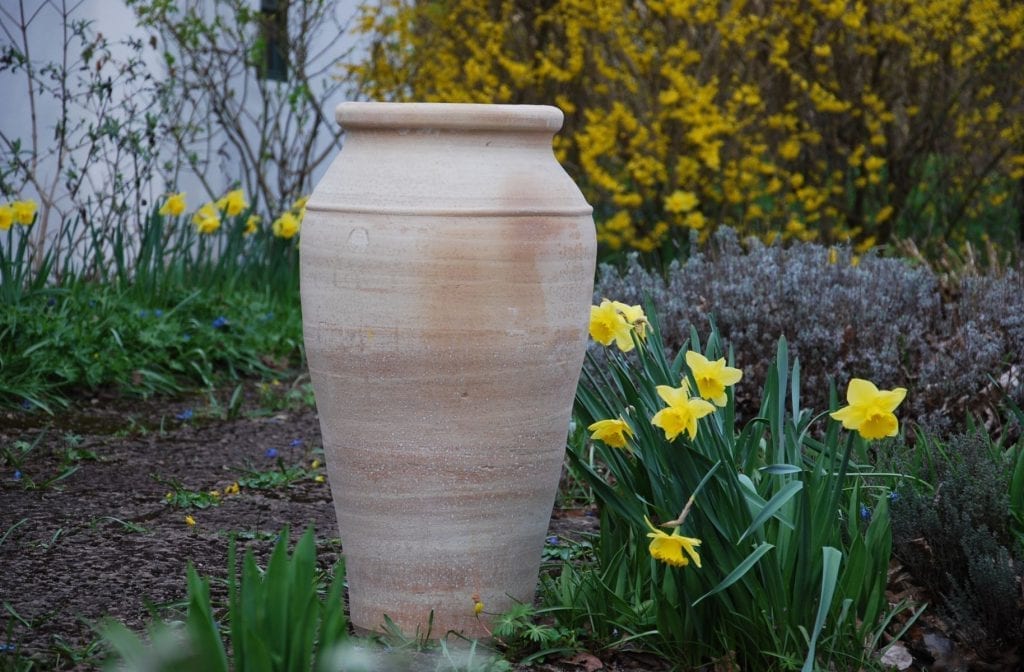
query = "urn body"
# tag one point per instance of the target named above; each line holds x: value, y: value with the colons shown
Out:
x: 447, y: 265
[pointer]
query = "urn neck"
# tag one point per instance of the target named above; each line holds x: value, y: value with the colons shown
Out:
x: 448, y: 159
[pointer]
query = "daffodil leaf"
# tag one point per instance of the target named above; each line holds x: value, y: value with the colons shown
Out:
x: 829, y: 578
x: 781, y: 469
x: 772, y: 506
x: 737, y: 574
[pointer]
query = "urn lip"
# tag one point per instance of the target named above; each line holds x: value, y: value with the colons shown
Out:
x: 449, y: 116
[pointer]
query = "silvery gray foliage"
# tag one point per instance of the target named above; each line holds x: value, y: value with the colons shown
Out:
x: 883, y: 319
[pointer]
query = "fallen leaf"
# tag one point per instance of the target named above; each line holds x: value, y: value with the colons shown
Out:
x: 587, y: 661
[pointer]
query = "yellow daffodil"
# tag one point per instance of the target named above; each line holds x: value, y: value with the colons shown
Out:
x: 6, y: 216
x: 24, y: 211
x: 233, y: 203
x: 613, y: 432
x: 870, y: 412
x: 634, y: 315
x: 681, y: 201
x: 206, y: 219
x: 608, y: 324
x: 682, y: 412
x: 252, y: 224
x: 712, y: 377
x: 668, y: 548
x: 190, y: 521
x: 174, y: 205
x: 286, y: 226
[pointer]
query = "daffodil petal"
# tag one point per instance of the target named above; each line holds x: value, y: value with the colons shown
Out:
x: 861, y: 392
x: 890, y: 399
x: 673, y: 396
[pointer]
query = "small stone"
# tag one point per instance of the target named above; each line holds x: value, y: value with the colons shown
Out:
x: 898, y: 657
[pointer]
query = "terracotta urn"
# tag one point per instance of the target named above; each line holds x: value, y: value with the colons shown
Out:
x: 447, y: 265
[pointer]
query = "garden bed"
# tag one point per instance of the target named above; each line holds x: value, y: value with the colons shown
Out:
x: 95, y: 525
x: 93, y: 521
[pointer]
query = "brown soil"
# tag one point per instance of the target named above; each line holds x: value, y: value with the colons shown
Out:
x: 104, y: 542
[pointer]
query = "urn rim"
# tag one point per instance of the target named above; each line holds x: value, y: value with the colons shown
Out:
x: 449, y: 116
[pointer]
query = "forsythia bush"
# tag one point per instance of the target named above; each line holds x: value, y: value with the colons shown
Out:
x: 838, y: 120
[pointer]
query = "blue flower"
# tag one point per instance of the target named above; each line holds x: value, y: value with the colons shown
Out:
x: 158, y: 312
x: 17, y: 474
x: 865, y: 512
x: 552, y: 540
x: 893, y: 496
x: 8, y: 647
x: 186, y: 336
x: 143, y: 313
x: 220, y: 322
x: 51, y: 302
x: 185, y: 415
x: 295, y: 443
x: 27, y: 405
x: 271, y: 452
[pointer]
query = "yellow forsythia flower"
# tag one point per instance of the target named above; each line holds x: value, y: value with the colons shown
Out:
x: 478, y: 608
x: 24, y: 211
x: 870, y: 412
x: 669, y: 548
x: 6, y: 216
x: 682, y: 412
x: 286, y: 226
x: 608, y: 324
x: 233, y: 202
x: 790, y: 149
x: 190, y: 521
x: 613, y: 432
x: 174, y: 205
x: 712, y: 377
x: 694, y: 220
x: 206, y: 219
x: 251, y: 225
x: 873, y: 164
x: 681, y: 201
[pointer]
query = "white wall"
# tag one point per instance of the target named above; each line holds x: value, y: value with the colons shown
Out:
x: 115, y: 21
